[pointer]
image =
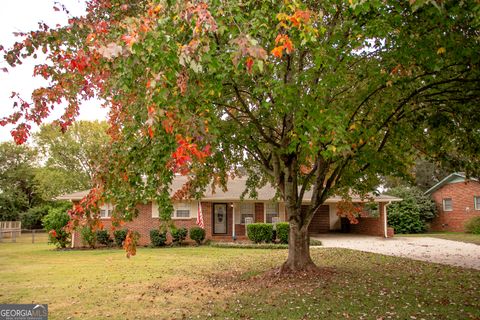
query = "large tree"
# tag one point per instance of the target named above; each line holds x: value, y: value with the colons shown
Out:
x: 318, y: 96
x: 17, y: 180
x: 71, y: 158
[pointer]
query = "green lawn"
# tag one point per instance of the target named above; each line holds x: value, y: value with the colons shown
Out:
x: 455, y: 236
x: 219, y: 283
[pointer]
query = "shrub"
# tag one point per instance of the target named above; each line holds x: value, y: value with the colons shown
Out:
x: 260, y: 232
x: 89, y: 237
x: 412, y: 213
x: 197, y: 234
x: 473, y: 225
x: 55, y: 221
x: 179, y: 235
x: 283, y: 229
x: 119, y: 236
x: 157, y: 238
x: 103, y: 237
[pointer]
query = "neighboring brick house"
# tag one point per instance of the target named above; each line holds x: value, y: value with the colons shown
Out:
x: 224, y: 214
x: 457, y: 200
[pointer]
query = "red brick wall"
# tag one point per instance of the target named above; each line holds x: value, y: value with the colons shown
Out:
x: 462, y: 195
x: 321, y: 220
x: 144, y: 223
x: 372, y: 226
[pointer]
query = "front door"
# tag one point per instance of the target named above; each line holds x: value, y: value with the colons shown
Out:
x: 219, y: 218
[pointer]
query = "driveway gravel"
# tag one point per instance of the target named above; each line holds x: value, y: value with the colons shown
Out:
x: 455, y: 253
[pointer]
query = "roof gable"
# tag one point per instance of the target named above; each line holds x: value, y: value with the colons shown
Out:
x: 452, y: 178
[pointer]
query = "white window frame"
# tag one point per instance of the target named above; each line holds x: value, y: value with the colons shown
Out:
x: 265, y: 210
x: 155, y: 211
x: 108, y: 208
x: 476, y: 202
x: 182, y: 206
x: 244, y: 209
x: 444, y: 200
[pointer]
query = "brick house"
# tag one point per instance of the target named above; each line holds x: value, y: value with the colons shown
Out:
x: 457, y: 200
x: 225, y: 215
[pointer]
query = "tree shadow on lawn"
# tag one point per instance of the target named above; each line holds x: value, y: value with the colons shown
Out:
x: 349, y: 284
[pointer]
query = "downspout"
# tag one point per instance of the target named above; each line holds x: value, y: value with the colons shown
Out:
x: 385, y: 219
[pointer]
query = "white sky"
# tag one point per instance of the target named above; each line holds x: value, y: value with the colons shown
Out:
x: 24, y: 15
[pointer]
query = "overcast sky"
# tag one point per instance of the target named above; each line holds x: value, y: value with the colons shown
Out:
x: 24, y: 15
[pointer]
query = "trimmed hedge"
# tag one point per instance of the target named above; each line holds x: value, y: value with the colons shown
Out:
x: 473, y: 225
x: 197, y: 234
x: 283, y: 229
x: 120, y: 236
x: 157, y: 238
x: 249, y: 245
x: 179, y: 235
x: 260, y: 232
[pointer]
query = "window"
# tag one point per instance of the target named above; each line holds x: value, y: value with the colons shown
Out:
x: 106, y: 211
x: 181, y: 210
x: 447, y: 204
x: 271, y: 212
x: 247, y: 210
x: 476, y: 202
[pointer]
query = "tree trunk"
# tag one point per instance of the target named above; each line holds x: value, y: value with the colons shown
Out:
x: 298, y: 250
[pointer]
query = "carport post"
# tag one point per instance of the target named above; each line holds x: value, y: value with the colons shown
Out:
x: 385, y: 229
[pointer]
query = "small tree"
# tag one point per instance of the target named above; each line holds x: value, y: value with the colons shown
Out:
x: 55, y: 221
x: 412, y: 214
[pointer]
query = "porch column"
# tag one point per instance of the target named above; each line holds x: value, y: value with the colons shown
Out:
x: 385, y: 228
x: 234, y: 236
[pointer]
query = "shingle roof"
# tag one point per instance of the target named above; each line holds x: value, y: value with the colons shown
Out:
x: 235, y: 189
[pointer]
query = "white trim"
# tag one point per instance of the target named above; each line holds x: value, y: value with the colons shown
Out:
x: 475, y: 202
x: 108, y: 207
x: 182, y: 205
x: 443, y: 204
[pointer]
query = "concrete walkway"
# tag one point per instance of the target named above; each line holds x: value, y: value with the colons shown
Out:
x: 455, y: 253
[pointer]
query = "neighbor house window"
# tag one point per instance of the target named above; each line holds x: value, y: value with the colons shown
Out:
x: 476, y: 202
x: 447, y: 204
x: 271, y: 212
x: 106, y: 211
x: 181, y: 210
x: 247, y: 210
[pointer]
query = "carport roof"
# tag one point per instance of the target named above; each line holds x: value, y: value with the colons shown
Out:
x: 235, y: 188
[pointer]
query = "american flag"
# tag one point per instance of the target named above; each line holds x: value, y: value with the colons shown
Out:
x: 200, y: 216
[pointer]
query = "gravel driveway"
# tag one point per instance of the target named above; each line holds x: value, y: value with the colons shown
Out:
x: 454, y: 253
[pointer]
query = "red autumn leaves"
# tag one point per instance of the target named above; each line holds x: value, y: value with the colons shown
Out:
x: 282, y: 42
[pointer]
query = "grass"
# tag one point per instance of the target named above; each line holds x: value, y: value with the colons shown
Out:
x: 454, y: 236
x: 216, y: 283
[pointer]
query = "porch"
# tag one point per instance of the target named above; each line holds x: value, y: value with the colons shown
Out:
x: 227, y: 221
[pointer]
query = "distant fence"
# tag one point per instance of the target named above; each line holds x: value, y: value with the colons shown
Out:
x: 23, y: 235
